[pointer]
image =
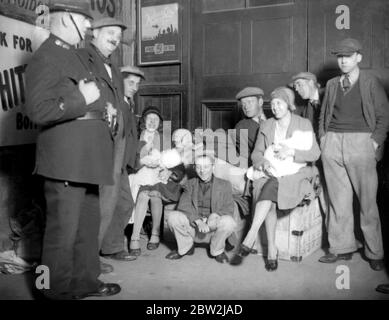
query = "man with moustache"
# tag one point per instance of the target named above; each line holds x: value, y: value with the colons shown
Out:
x: 73, y: 154
x: 354, y: 122
x: 107, y: 35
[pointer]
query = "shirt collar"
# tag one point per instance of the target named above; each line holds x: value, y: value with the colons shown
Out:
x: 206, y: 183
x: 353, y: 77
x: 104, y: 58
x: 316, y: 97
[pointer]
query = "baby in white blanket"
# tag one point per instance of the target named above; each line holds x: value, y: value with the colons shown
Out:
x: 300, y: 140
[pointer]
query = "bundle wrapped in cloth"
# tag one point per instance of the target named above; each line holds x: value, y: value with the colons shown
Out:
x: 300, y: 140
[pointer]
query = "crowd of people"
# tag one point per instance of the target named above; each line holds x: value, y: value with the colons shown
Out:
x: 103, y: 171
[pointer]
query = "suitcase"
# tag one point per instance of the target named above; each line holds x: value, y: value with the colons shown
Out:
x: 298, y: 232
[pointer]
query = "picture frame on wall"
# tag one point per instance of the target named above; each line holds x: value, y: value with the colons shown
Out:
x: 158, y: 32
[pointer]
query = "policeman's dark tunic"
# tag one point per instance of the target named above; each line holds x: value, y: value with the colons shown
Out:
x: 74, y: 156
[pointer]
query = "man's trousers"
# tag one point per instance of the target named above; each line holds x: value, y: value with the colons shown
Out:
x: 350, y: 166
x: 70, y: 245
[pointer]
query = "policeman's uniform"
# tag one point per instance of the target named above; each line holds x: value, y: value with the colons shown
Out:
x: 74, y: 155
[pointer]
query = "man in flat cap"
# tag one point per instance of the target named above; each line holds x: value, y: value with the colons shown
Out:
x: 354, y: 121
x: 113, y: 242
x: 73, y: 154
x: 107, y: 35
x: 305, y: 83
x: 251, y: 100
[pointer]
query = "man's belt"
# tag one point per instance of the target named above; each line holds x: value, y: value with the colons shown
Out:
x: 93, y: 115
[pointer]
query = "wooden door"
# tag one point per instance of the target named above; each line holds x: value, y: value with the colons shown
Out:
x: 369, y: 23
x: 239, y: 43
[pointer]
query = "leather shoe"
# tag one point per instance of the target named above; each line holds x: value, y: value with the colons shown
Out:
x: 134, y: 253
x: 105, y: 290
x: 243, y: 252
x: 121, y: 256
x: 332, y: 258
x: 174, y: 255
x: 105, y: 268
x: 221, y: 258
x: 271, y: 265
x: 383, y: 288
x: 376, y: 265
x: 228, y: 247
x: 152, y: 245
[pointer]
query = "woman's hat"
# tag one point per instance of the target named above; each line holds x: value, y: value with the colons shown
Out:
x: 286, y: 95
x: 152, y: 109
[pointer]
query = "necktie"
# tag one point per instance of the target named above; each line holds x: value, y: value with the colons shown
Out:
x: 346, y: 82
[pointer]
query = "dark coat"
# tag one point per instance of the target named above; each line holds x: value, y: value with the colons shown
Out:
x: 132, y: 140
x: 375, y: 107
x: 222, y: 202
x: 95, y: 63
x: 247, y: 141
x: 311, y: 111
x: 293, y: 188
x: 67, y: 149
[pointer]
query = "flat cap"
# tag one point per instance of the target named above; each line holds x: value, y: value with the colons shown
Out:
x: 304, y: 75
x: 133, y: 70
x: 249, y: 92
x: 347, y: 47
x: 108, y: 22
x: 80, y: 7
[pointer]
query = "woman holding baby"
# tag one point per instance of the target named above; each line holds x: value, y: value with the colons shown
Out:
x: 273, y: 191
x: 158, y: 181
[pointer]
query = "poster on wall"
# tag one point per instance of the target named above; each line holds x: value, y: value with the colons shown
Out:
x: 158, y: 32
x: 18, y: 41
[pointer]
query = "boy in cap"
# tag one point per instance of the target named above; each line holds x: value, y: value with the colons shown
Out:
x: 73, y: 154
x: 305, y: 83
x: 352, y: 129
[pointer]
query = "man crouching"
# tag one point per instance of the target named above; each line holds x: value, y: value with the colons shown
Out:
x: 204, y: 213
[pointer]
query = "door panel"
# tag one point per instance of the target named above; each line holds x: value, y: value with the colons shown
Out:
x: 231, y: 49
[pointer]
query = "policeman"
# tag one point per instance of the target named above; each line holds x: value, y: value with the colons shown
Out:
x: 73, y: 154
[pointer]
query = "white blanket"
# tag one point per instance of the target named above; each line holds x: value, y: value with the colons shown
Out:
x: 300, y: 140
